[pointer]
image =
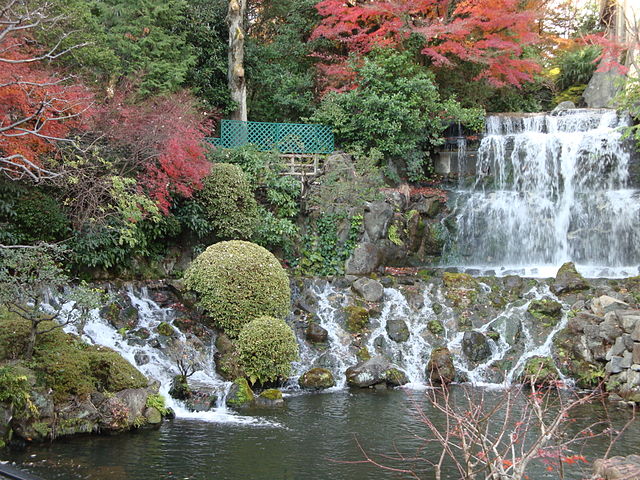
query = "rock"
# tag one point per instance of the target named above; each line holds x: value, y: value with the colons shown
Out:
x: 566, y: 105
x: 435, y: 326
x: 546, y: 311
x: 374, y: 371
x: 317, y: 379
x: 270, y: 398
x: 614, y: 366
x: 357, y: 318
x: 153, y: 416
x: 376, y: 220
x: 307, y: 301
x: 135, y: 402
x: 628, y: 319
x: 240, y: 394
x: 180, y: 388
x: 369, y: 289
x: 226, y: 358
x: 165, y: 329
x: 475, y: 346
x: 396, y: 377
x: 617, y: 468
x: 397, y: 330
x: 364, y: 260
x: 539, y: 371
x: 603, y: 88
x: 636, y: 352
x: 440, y: 368
x: 568, y: 280
x: 635, y: 335
x: 509, y: 328
x: 605, y: 304
x: 316, y: 334
x: 201, y: 402
x: 141, y: 358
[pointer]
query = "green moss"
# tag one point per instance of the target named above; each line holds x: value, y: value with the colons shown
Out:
x: 266, y: 348
x: 357, y: 318
x: 546, y: 311
x: 238, y: 281
x: 493, y: 335
x: 363, y: 354
x: 14, y: 334
x: 272, y: 394
x: 435, y: 327
x: 437, y: 308
x: 394, y: 235
x: 460, y: 289
x: 157, y: 401
x: 165, y: 329
x: 540, y: 371
x: 243, y: 393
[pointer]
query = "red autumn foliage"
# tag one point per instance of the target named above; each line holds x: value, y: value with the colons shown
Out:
x: 39, y: 107
x: 491, y: 34
x: 163, y: 141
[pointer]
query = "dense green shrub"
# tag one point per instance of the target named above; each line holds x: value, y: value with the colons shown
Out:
x: 267, y: 346
x: 228, y: 200
x: 577, y: 66
x: 276, y: 194
x: 238, y: 281
x: 15, y: 391
x: 396, y: 109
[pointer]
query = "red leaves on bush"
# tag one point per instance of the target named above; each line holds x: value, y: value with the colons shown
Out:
x: 163, y: 140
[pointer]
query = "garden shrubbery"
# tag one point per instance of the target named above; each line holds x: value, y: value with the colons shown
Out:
x: 267, y: 346
x: 238, y: 281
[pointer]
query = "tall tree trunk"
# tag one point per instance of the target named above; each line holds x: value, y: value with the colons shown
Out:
x: 237, y: 85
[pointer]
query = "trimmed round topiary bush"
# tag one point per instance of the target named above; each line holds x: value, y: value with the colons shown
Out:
x: 266, y: 347
x: 238, y: 281
x: 231, y: 209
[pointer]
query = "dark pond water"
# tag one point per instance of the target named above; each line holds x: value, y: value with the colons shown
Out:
x: 313, y: 437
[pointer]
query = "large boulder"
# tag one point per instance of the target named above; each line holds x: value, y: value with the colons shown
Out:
x: 475, y: 346
x: 317, y: 379
x: 568, y: 280
x: 240, y: 394
x: 440, y: 368
x: 364, y: 260
x: 377, y: 216
x: 547, y: 311
x: 375, y: 371
x: 397, y: 330
x: 270, y: 398
x: 316, y: 334
x: 369, y: 289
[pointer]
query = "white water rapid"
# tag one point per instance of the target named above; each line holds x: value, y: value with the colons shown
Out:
x: 551, y: 188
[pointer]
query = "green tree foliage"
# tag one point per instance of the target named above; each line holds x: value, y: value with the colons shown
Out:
x: 238, y: 281
x: 228, y: 201
x: 149, y: 39
x: 395, y: 109
x: 577, y: 66
x: 206, y: 32
x: 281, y: 71
x: 266, y: 347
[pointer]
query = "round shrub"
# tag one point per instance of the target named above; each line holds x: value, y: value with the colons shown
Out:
x: 238, y: 281
x: 266, y: 347
x: 228, y: 199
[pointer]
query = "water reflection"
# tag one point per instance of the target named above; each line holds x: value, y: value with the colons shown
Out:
x: 319, y: 438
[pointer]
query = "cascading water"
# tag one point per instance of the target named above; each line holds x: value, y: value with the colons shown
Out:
x: 551, y: 188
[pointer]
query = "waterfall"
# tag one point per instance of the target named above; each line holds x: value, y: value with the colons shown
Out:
x: 551, y: 188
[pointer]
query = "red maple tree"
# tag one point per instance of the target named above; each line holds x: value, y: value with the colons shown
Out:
x: 162, y: 142
x: 489, y: 33
x: 39, y: 106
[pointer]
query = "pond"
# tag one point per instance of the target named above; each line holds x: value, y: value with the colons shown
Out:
x: 315, y: 436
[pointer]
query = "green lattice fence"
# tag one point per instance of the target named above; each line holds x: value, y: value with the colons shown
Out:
x: 284, y: 137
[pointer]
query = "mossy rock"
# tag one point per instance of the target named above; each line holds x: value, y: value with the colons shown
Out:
x: 440, y: 368
x: 540, y: 371
x: 165, y: 329
x: 568, y: 280
x: 435, y: 327
x: 396, y: 377
x: 227, y: 358
x: 270, y: 398
x: 240, y: 394
x: 547, y: 311
x: 68, y: 366
x: 238, y: 281
x: 357, y: 318
x: 317, y: 379
x: 461, y: 289
x: 363, y: 354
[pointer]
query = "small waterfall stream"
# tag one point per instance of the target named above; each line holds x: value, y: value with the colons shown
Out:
x: 551, y: 188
